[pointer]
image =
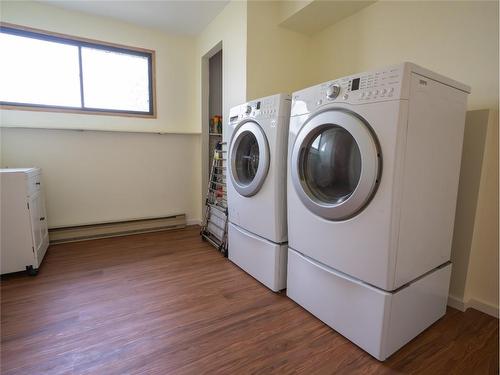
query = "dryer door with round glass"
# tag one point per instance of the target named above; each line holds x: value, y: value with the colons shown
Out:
x: 248, y: 158
x: 335, y: 164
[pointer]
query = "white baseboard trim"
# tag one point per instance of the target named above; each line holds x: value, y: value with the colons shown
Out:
x: 485, y: 307
x: 193, y: 222
x: 457, y: 303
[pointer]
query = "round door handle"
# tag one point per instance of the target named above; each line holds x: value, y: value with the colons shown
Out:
x: 333, y: 91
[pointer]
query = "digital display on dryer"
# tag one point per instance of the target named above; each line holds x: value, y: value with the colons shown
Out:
x: 355, y: 84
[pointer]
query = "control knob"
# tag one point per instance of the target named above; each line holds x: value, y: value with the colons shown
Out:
x: 248, y: 110
x: 333, y: 91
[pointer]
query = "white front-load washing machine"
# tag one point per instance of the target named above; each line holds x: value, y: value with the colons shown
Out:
x: 374, y: 162
x: 256, y: 188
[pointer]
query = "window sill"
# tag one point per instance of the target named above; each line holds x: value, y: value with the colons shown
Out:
x: 76, y: 111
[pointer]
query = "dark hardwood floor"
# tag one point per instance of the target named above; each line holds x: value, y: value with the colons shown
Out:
x: 168, y: 303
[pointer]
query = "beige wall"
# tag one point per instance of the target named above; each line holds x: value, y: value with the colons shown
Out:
x: 230, y: 28
x: 474, y: 281
x: 456, y: 38
x: 276, y: 58
x: 476, y: 126
x: 287, y: 8
x: 95, y: 176
x: 482, y: 276
x: 175, y: 63
x: 313, y: 16
x: 228, y: 31
x: 92, y: 176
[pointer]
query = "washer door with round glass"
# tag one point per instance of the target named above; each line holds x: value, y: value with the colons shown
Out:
x: 335, y: 164
x: 248, y: 158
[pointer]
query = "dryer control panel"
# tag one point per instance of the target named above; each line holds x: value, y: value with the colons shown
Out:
x: 375, y: 85
x: 380, y: 85
x: 366, y: 87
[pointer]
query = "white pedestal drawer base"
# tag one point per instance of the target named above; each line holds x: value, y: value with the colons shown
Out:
x: 378, y: 321
x: 263, y: 259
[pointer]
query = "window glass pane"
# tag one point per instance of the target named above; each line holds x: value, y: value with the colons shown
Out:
x: 35, y: 71
x: 113, y: 80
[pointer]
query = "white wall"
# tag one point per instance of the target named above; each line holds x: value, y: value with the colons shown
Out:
x: 92, y: 177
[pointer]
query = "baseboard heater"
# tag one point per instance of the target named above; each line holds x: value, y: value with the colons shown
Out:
x: 115, y: 229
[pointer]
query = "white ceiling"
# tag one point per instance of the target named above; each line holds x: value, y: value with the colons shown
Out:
x: 186, y: 17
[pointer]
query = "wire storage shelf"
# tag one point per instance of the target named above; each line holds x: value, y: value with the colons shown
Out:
x: 214, y: 227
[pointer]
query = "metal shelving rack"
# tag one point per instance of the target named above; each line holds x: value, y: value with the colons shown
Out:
x: 214, y: 228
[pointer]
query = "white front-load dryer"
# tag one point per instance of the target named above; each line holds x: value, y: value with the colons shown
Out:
x: 256, y: 188
x: 373, y: 170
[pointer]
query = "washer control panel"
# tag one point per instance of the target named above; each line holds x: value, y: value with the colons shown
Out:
x: 267, y: 108
x: 381, y: 85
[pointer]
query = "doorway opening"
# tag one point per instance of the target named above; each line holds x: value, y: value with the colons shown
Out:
x: 212, y: 108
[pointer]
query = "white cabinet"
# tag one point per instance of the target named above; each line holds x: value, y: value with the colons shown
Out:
x: 24, y: 232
